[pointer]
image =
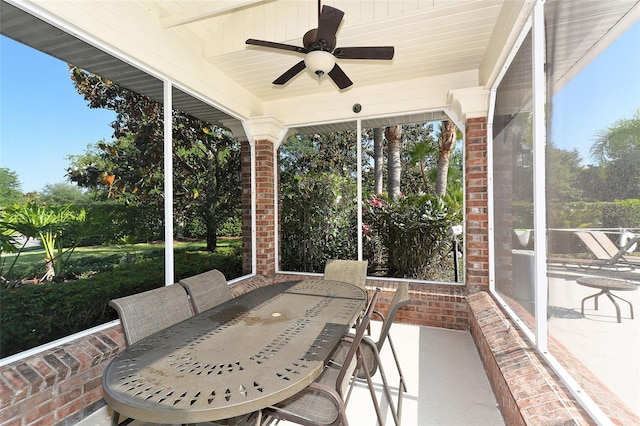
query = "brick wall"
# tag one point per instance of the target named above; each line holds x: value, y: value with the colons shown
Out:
x: 476, y: 206
x: 60, y: 386
x: 433, y: 305
x: 526, y: 388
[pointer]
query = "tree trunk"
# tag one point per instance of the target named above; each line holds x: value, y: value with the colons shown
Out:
x: 393, y: 135
x: 446, y: 144
x: 378, y: 160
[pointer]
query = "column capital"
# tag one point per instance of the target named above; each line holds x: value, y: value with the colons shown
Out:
x: 266, y: 128
x: 468, y: 103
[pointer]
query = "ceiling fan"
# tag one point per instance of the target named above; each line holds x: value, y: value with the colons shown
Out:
x: 321, y: 52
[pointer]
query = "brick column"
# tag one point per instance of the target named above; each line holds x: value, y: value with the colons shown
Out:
x: 245, y: 182
x: 265, y: 208
x: 476, y: 209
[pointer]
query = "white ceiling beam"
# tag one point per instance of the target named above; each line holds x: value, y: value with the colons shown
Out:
x: 198, y: 13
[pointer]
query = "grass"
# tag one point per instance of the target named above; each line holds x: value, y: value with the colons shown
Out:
x: 90, y: 260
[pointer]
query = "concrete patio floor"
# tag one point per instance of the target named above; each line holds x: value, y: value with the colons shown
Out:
x: 446, y: 382
x: 609, y: 349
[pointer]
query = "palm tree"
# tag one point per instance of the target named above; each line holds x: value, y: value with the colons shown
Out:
x: 378, y: 160
x: 393, y: 135
x: 446, y: 144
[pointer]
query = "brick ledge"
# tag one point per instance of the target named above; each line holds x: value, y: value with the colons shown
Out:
x: 527, y: 390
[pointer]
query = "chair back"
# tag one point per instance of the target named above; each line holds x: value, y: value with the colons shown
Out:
x: 145, y: 313
x: 593, y: 245
x: 350, y: 362
x: 608, y: 245
x: 348, y: 271
x: 400, y: 299
x: 207, y: 290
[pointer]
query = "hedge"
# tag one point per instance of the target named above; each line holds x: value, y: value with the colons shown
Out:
x: 34, y: 314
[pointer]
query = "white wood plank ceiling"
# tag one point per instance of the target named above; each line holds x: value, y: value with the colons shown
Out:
x: 431, y: 38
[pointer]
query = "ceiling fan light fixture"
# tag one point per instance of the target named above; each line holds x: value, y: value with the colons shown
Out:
x: 319, y: 62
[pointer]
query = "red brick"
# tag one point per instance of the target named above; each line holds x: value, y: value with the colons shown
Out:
x: 47, y: 420
x: 18, y: 385
x: 44, y: 370
x: 6, y: 394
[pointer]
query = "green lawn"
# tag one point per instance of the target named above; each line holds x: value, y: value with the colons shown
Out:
x: 89, y: 260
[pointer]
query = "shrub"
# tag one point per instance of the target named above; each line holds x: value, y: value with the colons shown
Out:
x: 413, y: 231
x: 318, y: 221
x: 34, y: 314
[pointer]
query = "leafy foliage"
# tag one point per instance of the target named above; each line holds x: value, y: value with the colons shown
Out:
x: 319, y: 202
x: 318, y: 220
x: 413, y: 231
x: 58, y: 228
x: 206, y: 159
x: 617, y: 152
x: 9, y: 188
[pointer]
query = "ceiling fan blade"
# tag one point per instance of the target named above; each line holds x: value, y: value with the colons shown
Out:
x: 290, y: 73
x: 379, y: 52
x: 275, y: 45
x: 328, y: 24
x: 339, y: 77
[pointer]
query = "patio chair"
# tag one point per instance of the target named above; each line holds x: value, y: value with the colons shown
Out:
x: 206, y: 290
x: 371, y: 351
x: 616, y: 254
x: 145, y: 313
x: 324, y: 401
x: 348, y: 271
x: 603, y: 258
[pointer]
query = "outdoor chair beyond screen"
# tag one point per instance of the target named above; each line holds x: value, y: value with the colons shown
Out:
x: 616, y: 254
x: 348, y: 271
x: 145, y: 313
x: 207, y: 290
x: 371, y: 350
x: 324, y: 401
x: 603, y: 258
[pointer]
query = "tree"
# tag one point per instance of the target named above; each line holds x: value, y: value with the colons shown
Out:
x: 378, y: 160
x: 131, y: 168
x: 60, y: 194
x: 318, y: 200
x: 617, y: 152
x: 393, y: 135
x: 9, y: 188
x: 446, y: 145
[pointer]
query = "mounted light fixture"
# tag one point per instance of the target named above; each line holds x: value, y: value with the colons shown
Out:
x: 321, y: 52
x: 320, y: 62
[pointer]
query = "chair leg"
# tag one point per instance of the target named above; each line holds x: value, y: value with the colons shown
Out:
x: 372, y: 391
x: 395, y: 411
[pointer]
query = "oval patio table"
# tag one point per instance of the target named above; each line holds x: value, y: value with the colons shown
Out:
x: 606, y: 285
x: 236, y: 358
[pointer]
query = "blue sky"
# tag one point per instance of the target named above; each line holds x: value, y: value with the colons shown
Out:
x: 43, y: 119
x: 604, y: 92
